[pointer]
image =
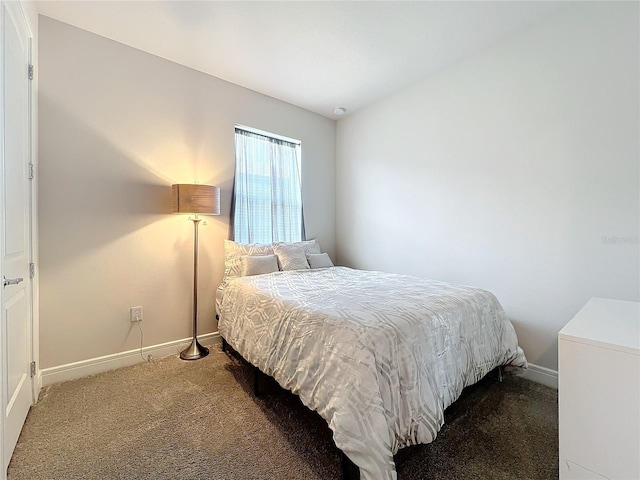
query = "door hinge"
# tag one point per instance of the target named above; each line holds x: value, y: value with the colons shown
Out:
x: 30, y: 72
x: 32, y: 270
x: 31, y: 171
x: 33, y: 368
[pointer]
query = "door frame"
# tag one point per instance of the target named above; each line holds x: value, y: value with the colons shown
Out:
x: 26, y: 12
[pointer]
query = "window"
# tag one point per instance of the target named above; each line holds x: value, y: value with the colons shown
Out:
x: 267, y: 192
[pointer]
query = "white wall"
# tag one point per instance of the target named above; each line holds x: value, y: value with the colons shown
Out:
x: 516, y: 170
x: 117, y: 128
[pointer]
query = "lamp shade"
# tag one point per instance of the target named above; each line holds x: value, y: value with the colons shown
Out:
x: 195, y: 198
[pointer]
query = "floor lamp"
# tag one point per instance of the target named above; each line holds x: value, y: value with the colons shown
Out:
x: 203, y: 200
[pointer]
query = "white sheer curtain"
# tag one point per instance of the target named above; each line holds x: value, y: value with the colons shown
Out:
x: 267, y: 198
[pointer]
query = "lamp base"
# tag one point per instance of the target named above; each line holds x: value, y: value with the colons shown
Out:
x: 194, y: 351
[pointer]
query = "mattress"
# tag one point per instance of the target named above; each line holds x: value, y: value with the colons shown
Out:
x: 379, y: 356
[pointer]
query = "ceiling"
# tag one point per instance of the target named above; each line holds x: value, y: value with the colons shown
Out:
x: 316, y: 55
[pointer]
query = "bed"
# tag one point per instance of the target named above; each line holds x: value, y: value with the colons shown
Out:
x: 379, y: 356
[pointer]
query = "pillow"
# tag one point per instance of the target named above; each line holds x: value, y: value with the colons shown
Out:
x: 233, y: 253
x: 293, y: 256
x: 258, y: 264
x: 309, y: 246
x: 319, y: 260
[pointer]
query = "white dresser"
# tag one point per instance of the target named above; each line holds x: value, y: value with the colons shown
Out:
x: 599, y: 392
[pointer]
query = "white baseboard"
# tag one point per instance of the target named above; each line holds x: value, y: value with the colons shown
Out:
x: 92, y: 366
x: 70, y: 371
x: 542, y: 375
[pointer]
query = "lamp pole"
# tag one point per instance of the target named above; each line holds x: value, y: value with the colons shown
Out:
x: 195, y: 351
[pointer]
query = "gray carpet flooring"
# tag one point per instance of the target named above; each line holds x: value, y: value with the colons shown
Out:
x: 172, y: 419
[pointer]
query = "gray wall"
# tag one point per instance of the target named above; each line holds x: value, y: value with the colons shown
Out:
x: 117, y: 128
x: 516, y: 170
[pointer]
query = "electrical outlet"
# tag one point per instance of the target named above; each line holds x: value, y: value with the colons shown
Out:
x: 135, y: 314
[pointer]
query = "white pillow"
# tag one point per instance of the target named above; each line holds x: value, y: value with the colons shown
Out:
x: 258, y: 264
x: 293, y: 256
x: 233, y: 253
x: 309, y: 246
x: 319, y: 260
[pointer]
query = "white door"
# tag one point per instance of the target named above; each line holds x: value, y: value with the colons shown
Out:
x: 15, y: 332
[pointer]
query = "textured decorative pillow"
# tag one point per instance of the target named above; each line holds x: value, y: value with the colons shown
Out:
x: 309, y: 246
x: 319, y: 260
x: 258, y: 264
x: 293, y: 256
x: 233, y: 253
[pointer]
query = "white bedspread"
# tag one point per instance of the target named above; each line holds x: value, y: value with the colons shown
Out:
x: 379, y: 356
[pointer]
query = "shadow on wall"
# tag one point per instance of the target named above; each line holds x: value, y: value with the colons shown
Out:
x: 92, y: 193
